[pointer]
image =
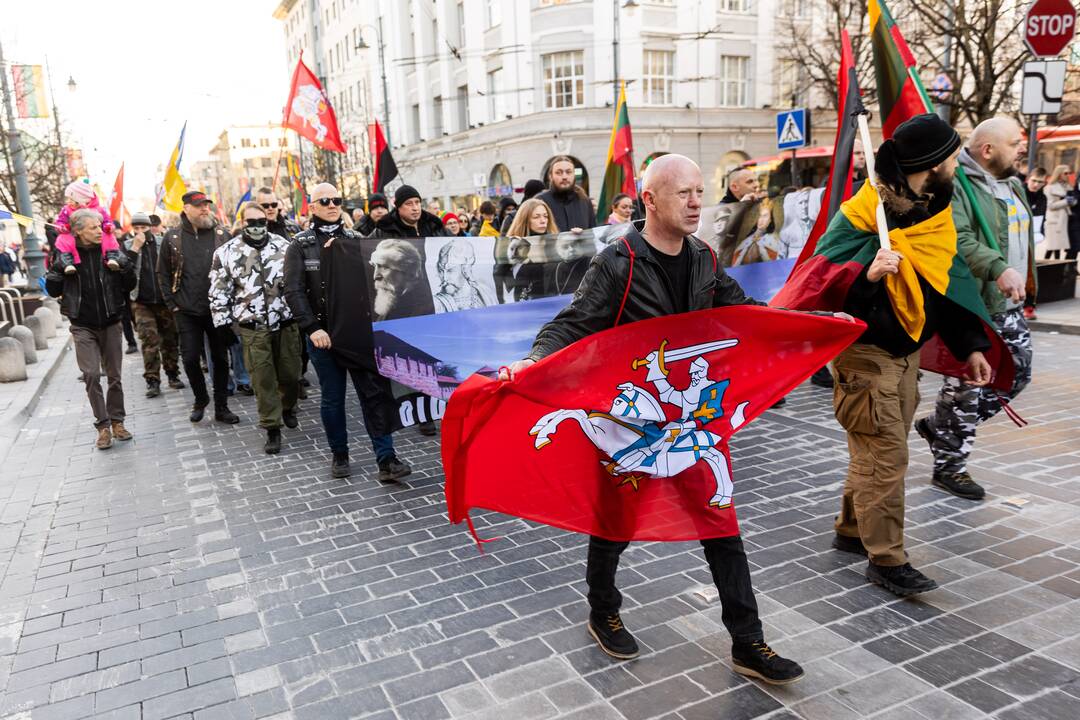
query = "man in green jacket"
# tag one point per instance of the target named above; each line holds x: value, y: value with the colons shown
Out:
x: 1004, y: 267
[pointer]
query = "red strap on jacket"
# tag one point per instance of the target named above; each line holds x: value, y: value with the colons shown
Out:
x: 629, y: 278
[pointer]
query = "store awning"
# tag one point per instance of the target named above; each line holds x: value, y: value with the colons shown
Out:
x: 1059, y: 133
x: 816, y: 151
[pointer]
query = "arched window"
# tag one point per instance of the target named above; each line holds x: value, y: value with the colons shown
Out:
x: 499, y: 182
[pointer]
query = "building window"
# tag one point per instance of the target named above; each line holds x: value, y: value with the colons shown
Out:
x: 264, y: 142
x: 735, y: 6
x: 734, y: 81
x: 463, y: 107
x: 245, y: 142
x: 564, y: 79
x: 438, y: 119
x: 794, y: 8
x: 792, y: 84
x: 494, y: 92
x: 416, y: 123
x: 461, y: 23
x: 494, y: 14
x: 658, y: 77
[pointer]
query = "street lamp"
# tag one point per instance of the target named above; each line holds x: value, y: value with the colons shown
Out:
x: 616, y: 4
x: 71, y: 84
x: 361, y: 45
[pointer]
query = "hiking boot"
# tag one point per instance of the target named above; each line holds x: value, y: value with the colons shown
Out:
x: 339, y: 468
x: 132, y: 349
x: 289, y: 418
x: 245, y: 389
x: 197, y: 412
x: 843, y: 543
x: 612, y: 637
x: 428, y: 428
x: 104, y: 438
x: 301, y: 393
x: 392, y: 469
x: 120, y: 432
x: 959, y: 484
x: 153, y: 388
x: 223, y: 414
x: 176, y: 383
x: 922, y: 426
x: 273, y: 441
x: 822, y: 378
x: 902, y: 580
x: 759, y: 661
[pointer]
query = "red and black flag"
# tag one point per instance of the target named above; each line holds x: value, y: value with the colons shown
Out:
x: 838, y: 189
x: 385, y: 167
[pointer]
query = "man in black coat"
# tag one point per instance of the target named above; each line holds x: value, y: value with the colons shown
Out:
x: 93, y: 298
x: 326, y: 288
x: 184, y: 277
x: 673, y: 272
x: 570, y: 205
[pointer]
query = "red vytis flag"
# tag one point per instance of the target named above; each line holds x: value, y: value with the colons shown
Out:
x: 308, y: 110
x: 116, y: 202
x: 624, y: 433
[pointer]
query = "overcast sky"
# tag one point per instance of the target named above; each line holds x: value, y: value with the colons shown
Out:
x: 143, y: 67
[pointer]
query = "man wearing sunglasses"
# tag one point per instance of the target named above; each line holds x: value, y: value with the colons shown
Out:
x: 247, y: 286
x: 312, y: 293
x: 276, y: 222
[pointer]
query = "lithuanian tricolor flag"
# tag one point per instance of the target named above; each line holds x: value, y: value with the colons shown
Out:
x: 619, y: 171
x: 899, y: 96
x: 929, y: 250
x: 29, y: 89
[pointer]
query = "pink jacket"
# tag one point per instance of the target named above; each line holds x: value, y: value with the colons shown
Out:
x: 64, y: 216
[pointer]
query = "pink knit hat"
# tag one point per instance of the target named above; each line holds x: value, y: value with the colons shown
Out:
x: 79, y: 190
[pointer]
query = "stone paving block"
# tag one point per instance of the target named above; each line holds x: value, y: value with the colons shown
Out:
x: 877, y: 692
x: 528, y: 678
x: 139, y: 691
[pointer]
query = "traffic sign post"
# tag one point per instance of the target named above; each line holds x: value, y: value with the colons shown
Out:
x: 1049, y: 27
x: 791, y: 134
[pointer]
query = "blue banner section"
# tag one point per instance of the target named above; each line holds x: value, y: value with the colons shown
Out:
x: 763, y: 280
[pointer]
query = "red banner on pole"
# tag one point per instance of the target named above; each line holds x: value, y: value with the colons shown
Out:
x: 309, y: 111
x: 117, y: 199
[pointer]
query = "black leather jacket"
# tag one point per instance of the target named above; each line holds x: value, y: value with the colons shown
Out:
x: 305, y: 289
x: 79, y: 291
x: 596, y: 302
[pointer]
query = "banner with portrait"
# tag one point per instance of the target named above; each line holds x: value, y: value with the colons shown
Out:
x: 444, y: 308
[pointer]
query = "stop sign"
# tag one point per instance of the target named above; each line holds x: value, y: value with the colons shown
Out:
x: 1049, y: 26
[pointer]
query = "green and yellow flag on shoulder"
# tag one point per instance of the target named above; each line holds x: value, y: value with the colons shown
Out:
x: 851, y: 241
x: 619, y: 171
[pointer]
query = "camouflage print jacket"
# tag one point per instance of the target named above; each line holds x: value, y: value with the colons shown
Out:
x: 247, y: 285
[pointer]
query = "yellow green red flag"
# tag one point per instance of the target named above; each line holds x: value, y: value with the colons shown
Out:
x: 29, y: 82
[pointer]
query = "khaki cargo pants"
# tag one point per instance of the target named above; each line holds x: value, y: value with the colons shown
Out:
x: 875, y: 397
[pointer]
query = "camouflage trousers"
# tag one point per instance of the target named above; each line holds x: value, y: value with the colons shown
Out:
x: 159, y: 339
x: 961, y: 408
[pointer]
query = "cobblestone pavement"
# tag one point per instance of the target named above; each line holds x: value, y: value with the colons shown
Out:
x: 186, y: 574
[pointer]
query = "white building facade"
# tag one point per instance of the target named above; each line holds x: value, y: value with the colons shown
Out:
x: 482, y: 93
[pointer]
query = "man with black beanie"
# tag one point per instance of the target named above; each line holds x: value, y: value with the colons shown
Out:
x: 409, y: 219
x: 570, y: 206
x: 876, y: 390
x: 377, y: 208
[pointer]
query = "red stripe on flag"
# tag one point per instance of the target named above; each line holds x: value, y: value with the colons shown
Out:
x: 902, y: 46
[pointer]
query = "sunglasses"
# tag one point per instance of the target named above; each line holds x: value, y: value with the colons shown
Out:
x: 255, y: 222
x: 268, y: 206
x: 327, y: 202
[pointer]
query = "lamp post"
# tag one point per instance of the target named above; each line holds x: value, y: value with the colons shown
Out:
x: 32, y: 254
x: 616, y: 4
x: 361, y: 45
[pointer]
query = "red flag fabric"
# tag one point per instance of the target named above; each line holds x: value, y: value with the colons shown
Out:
x: 624, y: 433
x: 838, y: 187
x: 308, y: 110
x: 385, y: 167
x: 117, y: 200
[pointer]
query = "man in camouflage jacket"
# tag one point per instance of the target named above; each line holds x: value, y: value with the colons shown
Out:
x: 247, y: 288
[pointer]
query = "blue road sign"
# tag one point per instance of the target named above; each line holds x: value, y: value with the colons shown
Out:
x: 791, y: 129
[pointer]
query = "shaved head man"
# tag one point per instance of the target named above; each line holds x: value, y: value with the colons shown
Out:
x: 744, y: 182
x: 672, y: 272
x: 739, y: 216
x: 1004, y: 266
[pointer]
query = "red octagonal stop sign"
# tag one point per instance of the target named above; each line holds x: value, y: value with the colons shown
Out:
x: 1049, y: 26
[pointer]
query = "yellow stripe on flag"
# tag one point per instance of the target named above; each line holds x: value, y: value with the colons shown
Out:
x: 928, y: 248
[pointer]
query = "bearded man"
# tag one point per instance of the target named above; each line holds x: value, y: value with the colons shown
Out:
x: 398, y: 275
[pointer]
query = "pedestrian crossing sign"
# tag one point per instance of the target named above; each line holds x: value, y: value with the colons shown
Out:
x: 791, y: 129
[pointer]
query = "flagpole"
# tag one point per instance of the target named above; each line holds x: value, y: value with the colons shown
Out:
x: 871, y: 177
x: 281, y: 150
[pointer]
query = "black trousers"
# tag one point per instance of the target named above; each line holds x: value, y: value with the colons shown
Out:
x: 730, y: 572
x: 192, y: 329
x: 125, y: 318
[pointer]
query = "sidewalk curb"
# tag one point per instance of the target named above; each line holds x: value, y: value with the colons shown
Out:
x: 12, y: 421
x: 1063, y: 328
